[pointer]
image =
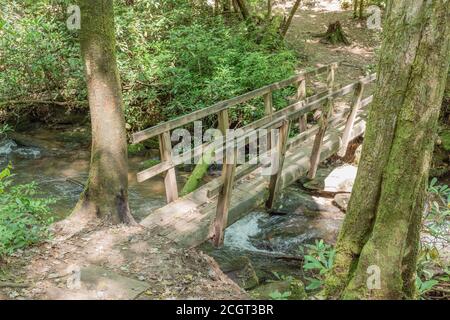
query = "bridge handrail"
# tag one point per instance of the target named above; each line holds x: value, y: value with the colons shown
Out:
x: 226, y: 104
x: 293, y: 111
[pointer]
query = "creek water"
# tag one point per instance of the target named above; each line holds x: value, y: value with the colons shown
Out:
x: 60, y: 169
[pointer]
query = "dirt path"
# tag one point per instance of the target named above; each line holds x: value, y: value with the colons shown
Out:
x: 116, y: 263
x: 360, y: 54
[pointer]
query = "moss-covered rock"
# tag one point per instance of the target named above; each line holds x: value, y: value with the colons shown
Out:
x: 241, y: 271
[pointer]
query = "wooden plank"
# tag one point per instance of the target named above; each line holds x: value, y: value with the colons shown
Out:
x: 196, y: 214
x: 246, y: 169
x: 216, y: 108
x: 323, y: 126
x: 274, y: 185
x: 170, y: 179
x: 223, y: 202
x: 154, y: 170
x: 301, y: 95
x: 268, y: 104
x: 356, y: 104
x: 224, y: 122
x: 293, y: 111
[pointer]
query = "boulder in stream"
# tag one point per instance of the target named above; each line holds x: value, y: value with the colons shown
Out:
x: 28, y: 153
x: 340, y: 179
x: 7, y: 147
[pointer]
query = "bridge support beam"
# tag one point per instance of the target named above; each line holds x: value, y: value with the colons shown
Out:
x: 274, y: 184
x: 223, y: 203
x: 359, y: 92
x: 170, y: 178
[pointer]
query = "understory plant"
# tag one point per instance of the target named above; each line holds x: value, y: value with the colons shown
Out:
x: 319, y: 259
x: 174, y: 57
x: 24, y: 217
x: 433, y: 273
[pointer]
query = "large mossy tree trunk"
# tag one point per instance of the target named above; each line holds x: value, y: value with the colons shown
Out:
x: 382, y: 225
x: 106, y: 193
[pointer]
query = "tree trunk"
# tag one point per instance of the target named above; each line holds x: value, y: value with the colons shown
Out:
x: 361, y: 9
x: 285, y: 27
x: 269, y: 9
x: 106, y: 192
x: 355, y: 8
x: 381, y: 227
x: 243, y: 8
x: 335, y: 34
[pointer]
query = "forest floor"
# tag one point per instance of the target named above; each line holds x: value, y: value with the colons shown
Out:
x: 358, y: 58
x: 104, y: 262
x: 115, y: 262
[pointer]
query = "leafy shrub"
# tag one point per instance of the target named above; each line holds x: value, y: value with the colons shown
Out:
x: 174, y: 57
x: 23, y: 217
x: 319, y: 260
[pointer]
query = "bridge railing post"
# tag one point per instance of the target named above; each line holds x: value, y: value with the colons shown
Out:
x: 223, y: 202
x: 268, y: 103
x: 170, y: 178
x: 356, y: 104
x: 323, y: 126
x: 274, y: 184
x: 301, y: 94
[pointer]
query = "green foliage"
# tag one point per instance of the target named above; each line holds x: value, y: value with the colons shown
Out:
x: 174, y: 57
x: 134, y: 149
x: 296, y: 288
x: 39, y: 59
x: 23, y: 217
x: 445, y: 137
x: 319, y: 260
x: 4, y: 129
x: 424, y: 287
x: 437, y: 222
x: 432, y: 272
x: 277, y: 295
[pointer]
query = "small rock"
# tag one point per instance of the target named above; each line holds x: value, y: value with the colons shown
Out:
x: 340, y: 179
x: 341, y: 200
x: 6, y: 147
x: 28, y: 153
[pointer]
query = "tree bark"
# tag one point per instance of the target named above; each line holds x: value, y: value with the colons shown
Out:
x: 106, y: 192
x: 361, y: 9
x: 243, y: 8
x: 355, y: 8
x: 381, y: 227
x: 285, y: 27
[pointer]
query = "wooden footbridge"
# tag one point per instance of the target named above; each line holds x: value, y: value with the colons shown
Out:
x: 206, y: 212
